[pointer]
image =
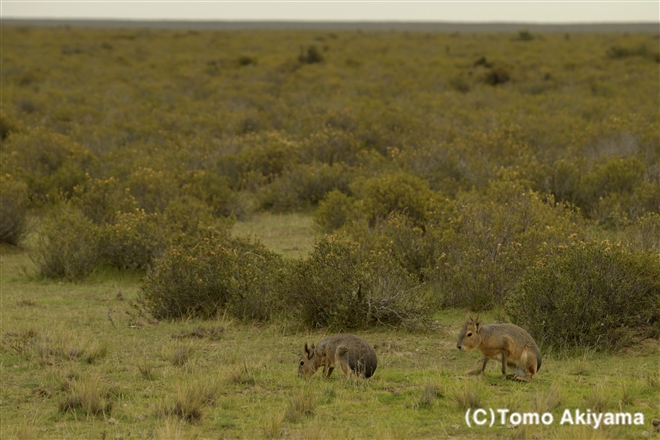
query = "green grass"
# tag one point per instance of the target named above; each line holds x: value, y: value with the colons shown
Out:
x: 289, y: 234
x: 167, y: 114
x: 228, y: 379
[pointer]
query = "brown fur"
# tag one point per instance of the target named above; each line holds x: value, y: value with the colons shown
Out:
x: 507, y: 343
x: 349, y: 352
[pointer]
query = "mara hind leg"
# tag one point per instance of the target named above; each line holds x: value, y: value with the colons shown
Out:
x: 526, y: 367
x: 341, y: 358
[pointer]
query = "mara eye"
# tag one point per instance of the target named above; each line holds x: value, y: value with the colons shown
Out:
x: 469, y: 334
x: 302, y: 363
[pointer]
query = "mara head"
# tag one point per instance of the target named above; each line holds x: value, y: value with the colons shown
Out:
x: 309, y: 362
x: 470, y: 336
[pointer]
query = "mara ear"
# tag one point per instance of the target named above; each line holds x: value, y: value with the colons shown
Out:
x: 468, y: 318
x: 477, y: 322
x: 309, y: 349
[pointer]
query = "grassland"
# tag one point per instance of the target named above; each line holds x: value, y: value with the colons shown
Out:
x: 457, y: 169
x: 79, y: 362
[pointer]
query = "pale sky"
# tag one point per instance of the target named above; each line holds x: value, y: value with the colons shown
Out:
x: 551, y: 12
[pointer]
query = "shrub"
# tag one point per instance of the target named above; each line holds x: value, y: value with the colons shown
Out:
x: 187, y: 215
x: 589, y: 294
x: 256, y: 285
x: 50, y: 163
x: 460, y: 83
x: 152, y: 189
x: 414, y: 248
x: 133, y: 241
x: 136, y: 238
x: 611, y: 178
x: 13, y: 210
x: 497, y: 75
x: 335, y: 210
x: 305, y: 185
x: 644, y: 233
x: 341, y: 287
x: 525, y: 35
x: 397, y: 192
x: 213, y: 189
x: 265, y: 157
x: 311, y: 56
x: 67, y: 245
x: 621, y: 52
x: 237, y: 275
x: 487, y: 240
x: 7, y: 125
x: 102, y: 200
x: 331, y: 145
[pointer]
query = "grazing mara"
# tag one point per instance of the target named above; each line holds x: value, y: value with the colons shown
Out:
x: 506, y: 343
x: 348, y: 352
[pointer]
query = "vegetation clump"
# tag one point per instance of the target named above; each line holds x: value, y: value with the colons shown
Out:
x: 343, y: 286
x: 14, y: 205
x: 217, y: 274
x: 609, y: 294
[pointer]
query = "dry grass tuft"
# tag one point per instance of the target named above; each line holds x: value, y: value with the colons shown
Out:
x: 243, y: 373
x: 469, y: 395
x: 428, y: 397
x: 146, y: 369
x: 272, y: 425
x: 191, y: 400
x: 630, y: 391
x: 596, y: 400
x: 95, y: 352
x: 301, y: 404
x: 178, y: 355
x: 90, y: 395
x: 547, y: 402
x: 170, y: 430
x: 653, y: 379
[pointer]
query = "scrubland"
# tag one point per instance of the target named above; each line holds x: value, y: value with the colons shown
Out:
x: 182, y: 210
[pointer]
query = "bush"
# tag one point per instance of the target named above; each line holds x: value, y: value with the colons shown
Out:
x: 102, y: 200
x: 8, y: 125
x: 213, y: 189
x: 305, y: 186
x: 589, y: 294
x: 265, y: 157
x: 13, y: 210
x: 331, y: 145
x: 415, y: 249
x: 525, y: 35
x: 67, y: 245
x: 397, y: 192
x: 340, y: 287
x: 133, y: 241
x: 485, y: 245
x: 152, y: 189
x: 644, y: 233
x: 311, y: 56
x: 497, y: 75
x: 50, y: 163
x: 235, y: 275
x: 335, y: 210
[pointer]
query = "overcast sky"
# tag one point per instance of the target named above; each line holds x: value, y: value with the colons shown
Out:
x: 554, y: 11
